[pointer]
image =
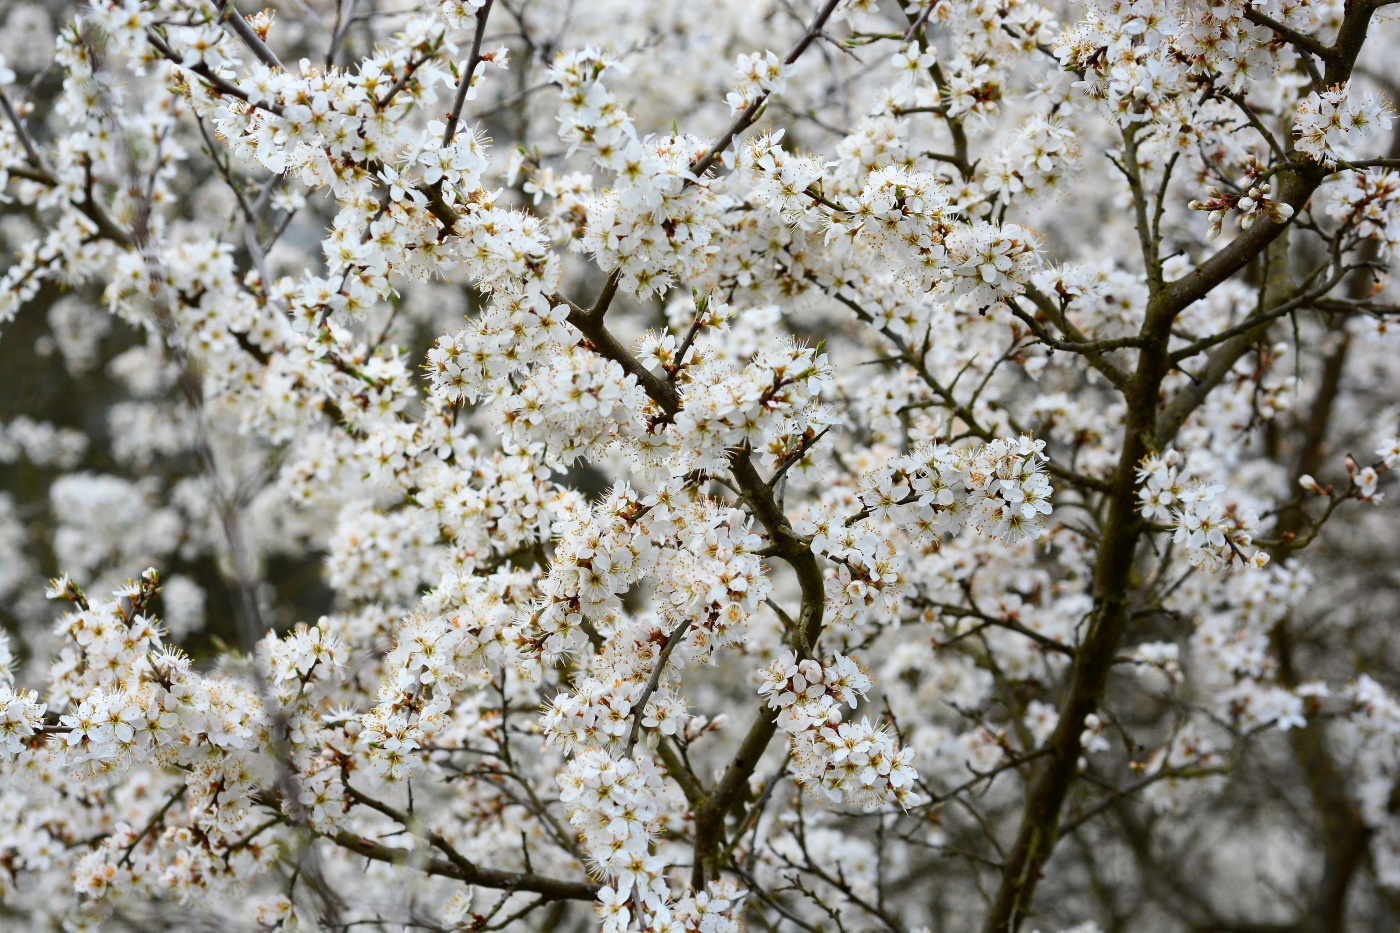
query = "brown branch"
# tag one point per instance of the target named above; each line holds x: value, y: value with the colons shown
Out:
x: 1343, y: 833
x: 1255, y: 322
x: 1112, y: 580
x: 465, y: 82
x: 151, y: 824
x: 1079, y: 342
x: 653, y: 682
x: 229, y: 14
x: 750, y: 113
x: 758, y: 496
x: 1302, y: 40
x: 455, y: 864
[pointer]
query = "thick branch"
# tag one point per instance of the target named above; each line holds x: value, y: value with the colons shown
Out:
x: 1048, y: 791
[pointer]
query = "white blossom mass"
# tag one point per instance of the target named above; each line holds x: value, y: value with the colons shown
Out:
x: 699, y: 466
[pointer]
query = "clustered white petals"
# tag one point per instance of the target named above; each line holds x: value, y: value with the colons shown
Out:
x: 605, y: 379
x: 998, y: 489
x: 21, y: 714
x: 1329, y: 125
x: 857, y: 762
x: 756, y: 75
x: 1214, y: 534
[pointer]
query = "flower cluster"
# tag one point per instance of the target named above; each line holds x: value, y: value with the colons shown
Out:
x: 21, y: 715
x: 1035, y: 163
x: 779, y: 179
x: 660, y: 220
x: 517, y: 329
x: 531, y: 453
x: 573, y: 406
x: 756, y: 75
x: 765, y: 406
x: 1252, y: 205
x: 305, y: 658
x: 857, y: 762
x: 1330, y: 124
x: 615, y: 806
x: 910, y: 219
x: 999, y: 489
x: 1214, y: 534
x: 438, y: 653
x: 1367, y: 201
x: 1133, y: 56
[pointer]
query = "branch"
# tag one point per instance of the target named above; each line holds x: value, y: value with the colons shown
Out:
x: 1257, y: 320
x: 30, y: 150
x: 1299, y: 182
x: 1302, y: 40
x: 1113, y: 568
x: 465, y: 82
x: 152, y: 823
x: 750, y: 113
x: 956, y: 132
x: 680, y: 771
x: 590, y: 324
x: 457, y: 865
x: 218, y: 83
x: 1081, y: 343
x: 1222, y: 362
x: 1254, y: 121
x: 1132, y: 171
x: 229, y: 14
x: 639, y: 711
x: 758, y: 495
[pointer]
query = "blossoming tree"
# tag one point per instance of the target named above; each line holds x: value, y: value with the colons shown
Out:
x: 642, y: 465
